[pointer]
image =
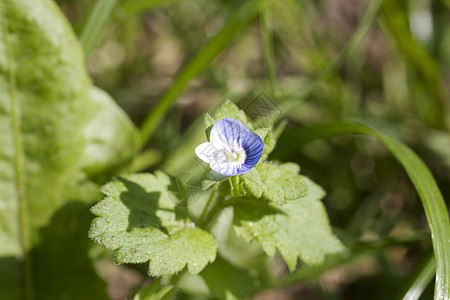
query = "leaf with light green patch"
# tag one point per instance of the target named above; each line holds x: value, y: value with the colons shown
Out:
x: 138, y: 219
x: 269, y: 144
x: 208, y: 122
x: 301, y: 231
x: 262, y: 132
x: 271, y: 138
x: 230, y: 110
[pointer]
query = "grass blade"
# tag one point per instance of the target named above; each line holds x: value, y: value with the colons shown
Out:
x: 364, y: 25
x: 267, y: 38
x: 421, y: 281
x: 97, y: 21
x: 421, y: 177
x: 238, y: 22
x: 424, y: 68
x: 133, y: 7
x: 362, y: 29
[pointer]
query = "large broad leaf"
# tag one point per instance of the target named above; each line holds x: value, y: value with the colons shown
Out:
x: 45, y: 102
x: 139, y: 220
x: 297, y: 229
x: 112, y: 139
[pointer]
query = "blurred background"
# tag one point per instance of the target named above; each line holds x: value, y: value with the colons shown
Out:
x: 317, y: 61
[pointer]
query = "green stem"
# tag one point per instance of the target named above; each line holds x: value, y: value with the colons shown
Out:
x: 201, y: 220
x: 209, y: 215
x: 214, y: 212
x: 236, y: 189
x: 174, y: 282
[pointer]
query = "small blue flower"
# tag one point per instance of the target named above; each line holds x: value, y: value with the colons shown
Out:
x: 232, y: 148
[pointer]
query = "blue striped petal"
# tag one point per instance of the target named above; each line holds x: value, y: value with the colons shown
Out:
x: 227, y: 130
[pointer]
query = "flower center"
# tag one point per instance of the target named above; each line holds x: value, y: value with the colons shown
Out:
x: 236, y: 154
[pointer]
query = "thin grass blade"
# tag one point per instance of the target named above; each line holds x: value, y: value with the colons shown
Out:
x: 96, y: 23
x: 237, y: 23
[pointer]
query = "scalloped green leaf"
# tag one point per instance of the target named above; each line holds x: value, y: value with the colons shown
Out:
x: 139, y: 220
x: 302, y: 230
x: 277, y: 183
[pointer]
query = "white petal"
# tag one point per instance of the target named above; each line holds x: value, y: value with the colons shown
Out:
x: 208, y: 151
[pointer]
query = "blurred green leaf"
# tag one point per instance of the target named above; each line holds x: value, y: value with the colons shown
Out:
x: 425, y: 70
x: 301, y: 231
x: 430, y: 195
x: 138, y: 219
x: 145, y: 160
x: 237, y: 23
x: 438, y: 142
x: 112, y: 140
x: 229, y: 282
